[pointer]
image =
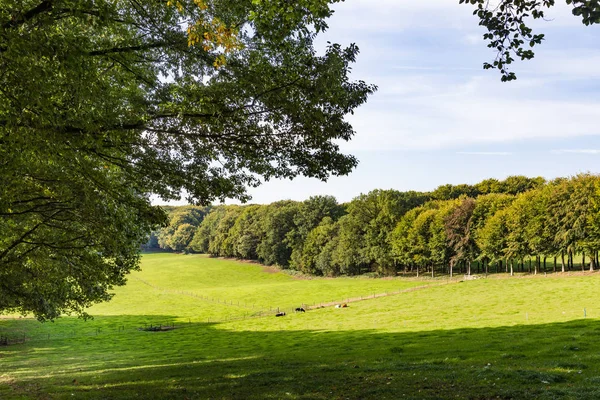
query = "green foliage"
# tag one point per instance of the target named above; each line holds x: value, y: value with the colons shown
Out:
x: 387, y: 231
x: 104, y: 103
x: 508, y: 27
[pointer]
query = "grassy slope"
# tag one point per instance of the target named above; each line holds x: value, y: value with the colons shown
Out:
x: 507, y: 338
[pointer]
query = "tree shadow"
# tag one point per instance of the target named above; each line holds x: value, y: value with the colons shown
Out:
x: 199, y: 361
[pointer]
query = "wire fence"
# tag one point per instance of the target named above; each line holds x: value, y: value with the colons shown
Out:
x: 22, y: 336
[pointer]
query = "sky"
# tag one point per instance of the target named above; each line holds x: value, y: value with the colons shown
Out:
x: 439, y: 118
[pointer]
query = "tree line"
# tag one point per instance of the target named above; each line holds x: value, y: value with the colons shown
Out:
x: 518, y: 224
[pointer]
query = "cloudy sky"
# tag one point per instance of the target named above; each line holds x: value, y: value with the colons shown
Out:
x: 438, y: 117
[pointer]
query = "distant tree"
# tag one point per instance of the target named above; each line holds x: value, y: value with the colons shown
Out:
x: 440, y: 247
x: 518, y: 217
x: 316, y: 257
x: 492, y: 238
x: 403, y: 242
x: 221, y: 243
x: 277, y: 223
x: 206, y: 232
x: 350, y: 253
x: 459, y: 231
x: 450, y: 192
x: 247, y: 232
x: 521, y: 184
x: 377, y: 214
x: 486, y: 206
x: 182, y: 237
x: 173, y: 237
x: 310, y: 214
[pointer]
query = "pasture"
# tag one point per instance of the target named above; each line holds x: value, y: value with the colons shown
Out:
x: 520, y: 337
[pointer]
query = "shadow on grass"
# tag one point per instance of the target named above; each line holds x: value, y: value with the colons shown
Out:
x: 200, y: 361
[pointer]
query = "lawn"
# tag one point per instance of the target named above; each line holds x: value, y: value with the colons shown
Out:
x: 521, y: 337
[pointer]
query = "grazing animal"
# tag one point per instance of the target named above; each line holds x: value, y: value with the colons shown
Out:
x: 338, y: 306
x: 280, y: 314
x: 300, y: 309
x: 344, y: 305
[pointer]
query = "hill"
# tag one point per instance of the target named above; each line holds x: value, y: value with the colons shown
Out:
x: 520, y: 337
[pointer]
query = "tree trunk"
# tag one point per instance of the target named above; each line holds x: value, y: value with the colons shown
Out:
x: 512, y: 262
x: 529, y: 267
x: 451, y: 269
x: 562, y: 260
x: 545, y: 257
x: 554, y: 267
x: 469, y: 268
x: 417, y: 271
x: 486, y: 263
x: 432, y: 271
x: 583, y: 261
x: 570, y: 260
x: 592, y: 262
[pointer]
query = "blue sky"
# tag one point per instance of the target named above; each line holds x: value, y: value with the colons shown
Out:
x: 439, y: 118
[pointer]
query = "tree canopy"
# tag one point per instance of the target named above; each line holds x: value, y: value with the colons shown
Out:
x: 103, y: 103
x: 385, y: 232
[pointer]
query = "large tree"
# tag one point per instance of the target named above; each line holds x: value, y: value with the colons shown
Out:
x: 105, y: 102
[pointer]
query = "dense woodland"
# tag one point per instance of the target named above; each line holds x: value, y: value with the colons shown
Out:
x: 519, y: 224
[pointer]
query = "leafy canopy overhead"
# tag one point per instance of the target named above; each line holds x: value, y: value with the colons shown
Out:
x: 105, y: 102
x: 508, y: 30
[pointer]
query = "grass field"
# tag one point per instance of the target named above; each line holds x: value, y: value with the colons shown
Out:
x: 521, y: 337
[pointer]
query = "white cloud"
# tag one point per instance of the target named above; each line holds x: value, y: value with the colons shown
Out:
x: 434, y: 113
x: 486, y: 153
x: 576, y: 151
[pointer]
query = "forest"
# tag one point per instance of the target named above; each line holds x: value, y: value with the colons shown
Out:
x: 519, y: 224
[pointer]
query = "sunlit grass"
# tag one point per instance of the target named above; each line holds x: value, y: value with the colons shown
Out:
x: 487, y: 338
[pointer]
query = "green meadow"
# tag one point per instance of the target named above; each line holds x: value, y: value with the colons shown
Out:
x: 500, y: 337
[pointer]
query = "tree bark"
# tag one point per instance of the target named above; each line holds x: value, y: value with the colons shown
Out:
x: 570, y: 260
x: 554, y: 267
x: 512, y: 262
x: 562, y: 260
x: 583, y: 261
x: 451, y: 269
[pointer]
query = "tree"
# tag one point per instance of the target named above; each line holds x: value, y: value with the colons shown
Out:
x: 103, y: 103
x: 310, y: 214
x: 206, y: 232
x: 173, y: 237
x: 508, y: 31
x: 492, y: 238
x: 316, y: 257
x: 277, y: 223
x: 459, y: 231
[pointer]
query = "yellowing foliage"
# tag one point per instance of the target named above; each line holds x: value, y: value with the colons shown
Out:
x: 211, y: 33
